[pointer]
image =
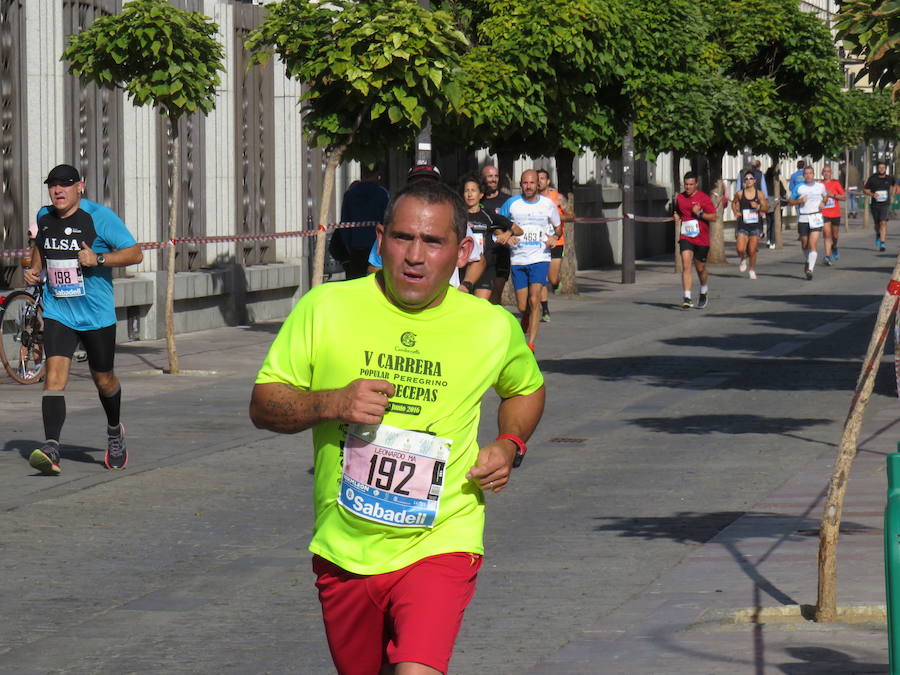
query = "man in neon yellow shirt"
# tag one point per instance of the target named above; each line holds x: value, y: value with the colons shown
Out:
x: 389, y: 372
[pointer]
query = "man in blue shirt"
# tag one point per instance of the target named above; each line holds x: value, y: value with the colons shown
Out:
x: 77, y: 242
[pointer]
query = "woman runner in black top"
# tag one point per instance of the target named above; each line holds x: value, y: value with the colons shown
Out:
x: 492, y: 231
x: 749, y: 207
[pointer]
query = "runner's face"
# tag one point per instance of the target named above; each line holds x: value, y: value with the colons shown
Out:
x: 65, y: 198
x: 826, y: 173
x: 419, y: 251
x: 543, y: 182
x: 809, y: 176
x: 472, y: 195
x: 491, y: 177
x: 690, y: 185
x: 529, y: 185
x: 882, y: 169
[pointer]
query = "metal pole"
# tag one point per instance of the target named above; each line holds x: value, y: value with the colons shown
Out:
x: 628, y: 206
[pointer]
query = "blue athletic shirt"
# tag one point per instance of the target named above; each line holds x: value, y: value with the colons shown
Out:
x: 61, y: 239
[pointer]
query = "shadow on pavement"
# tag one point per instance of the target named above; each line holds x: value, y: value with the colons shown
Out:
x: 822, y: 660
x: 726, y: 424
x: 745, y: 374
x: 70, y: 453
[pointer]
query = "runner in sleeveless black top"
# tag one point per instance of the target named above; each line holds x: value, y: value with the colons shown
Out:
x: 491, y: 230
x: 748, y: 206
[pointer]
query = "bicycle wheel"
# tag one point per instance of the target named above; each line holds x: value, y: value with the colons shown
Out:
x: 22, y: 338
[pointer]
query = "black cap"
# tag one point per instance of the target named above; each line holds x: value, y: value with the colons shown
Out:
x: 423, y: 171
x: 63, y: 173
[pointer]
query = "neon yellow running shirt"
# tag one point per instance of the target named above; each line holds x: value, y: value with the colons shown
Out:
x: 441, y: 362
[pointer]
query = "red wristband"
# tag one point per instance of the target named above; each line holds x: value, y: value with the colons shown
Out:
x: 521, y: 448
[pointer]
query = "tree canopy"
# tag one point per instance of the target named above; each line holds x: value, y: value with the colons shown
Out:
x: 375, y: 71
x: 158, y: 54
x: 871, y: 29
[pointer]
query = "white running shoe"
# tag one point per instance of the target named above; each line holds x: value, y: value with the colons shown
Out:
x: 752, y: 274
x: 743, y: 266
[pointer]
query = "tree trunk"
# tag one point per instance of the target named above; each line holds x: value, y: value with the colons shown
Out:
x: 334, y: 158
x: 826, y: 602
x: 505, y: 160
x: 565, y: 171
x: 170, y: 250
x: 778, y: 211
x: 676, y: 188
x: 717, y: 228
x: 863, y: 200
x: 569, y: 266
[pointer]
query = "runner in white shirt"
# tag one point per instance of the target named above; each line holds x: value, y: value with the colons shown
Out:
x: 539, y: 219
x: 809, y: 197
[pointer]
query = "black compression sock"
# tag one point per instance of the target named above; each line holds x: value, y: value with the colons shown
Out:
x: 112, y: 406
x: 53, y: 409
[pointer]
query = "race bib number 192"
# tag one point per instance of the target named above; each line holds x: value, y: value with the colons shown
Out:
x: 393, y: 476
x: 65, y: 278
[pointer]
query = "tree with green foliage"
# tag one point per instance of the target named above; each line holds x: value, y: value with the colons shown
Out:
x: 375, y: 72
x: 871, y: 115
x: 871, y: 29
x: 162, y: 56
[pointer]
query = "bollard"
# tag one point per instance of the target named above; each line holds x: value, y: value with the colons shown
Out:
x: 892, y: 558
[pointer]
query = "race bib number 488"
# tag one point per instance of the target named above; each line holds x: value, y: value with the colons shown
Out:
x: 393, y: 476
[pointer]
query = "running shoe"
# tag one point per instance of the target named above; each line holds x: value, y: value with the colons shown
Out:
x: 835, y: 254
x: 752, y: 274
x: 687, y: 303
x: 743, y: 266
x: 46, y: 459
x: 545, y: 317
x: 878, y: 244
x: 883, y: 247
x: 702, y: 301
x: 771, y: 244
x: 531, y: 347
x: 827, y: 260
x: 116, y: 454
x: 808, y: 274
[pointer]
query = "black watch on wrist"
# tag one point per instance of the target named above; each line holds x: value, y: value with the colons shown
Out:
x: 101, y: 259
x: 468, y: 284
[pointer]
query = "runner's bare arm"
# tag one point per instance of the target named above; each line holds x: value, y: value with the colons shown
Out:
x: 518, y: 415
x: 277, y: 406
x: 33, y: 273
x: 120, y: 258
x: 473, y: 272
x: 736, y: 203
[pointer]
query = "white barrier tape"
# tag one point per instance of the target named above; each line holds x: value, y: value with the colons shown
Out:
x: 151, y: 245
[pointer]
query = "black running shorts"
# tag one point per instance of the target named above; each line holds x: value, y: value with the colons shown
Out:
x: 100, y: 344
x: 701, y: 253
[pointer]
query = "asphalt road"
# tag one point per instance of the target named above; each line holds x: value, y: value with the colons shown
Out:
x: 663, y: 425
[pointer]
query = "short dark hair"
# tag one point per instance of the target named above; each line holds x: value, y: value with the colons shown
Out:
x: 469, y: 178
x: 545, y: 172
x: 431, y: 192
x: 801, y: 163
x: 689, y: 175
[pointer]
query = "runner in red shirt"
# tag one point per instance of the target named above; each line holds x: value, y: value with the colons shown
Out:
x: 831, y: 212
x: 694, y: 211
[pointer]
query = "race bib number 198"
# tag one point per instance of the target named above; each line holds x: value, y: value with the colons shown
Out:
x: 65, y: 278
x: 393, y: 476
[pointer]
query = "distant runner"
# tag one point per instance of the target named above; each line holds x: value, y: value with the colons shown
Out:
x: 694, y: 211
x: 809, y: 197
x: 831, y: 211
x: 749, y: 207
x: 880, y: 187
